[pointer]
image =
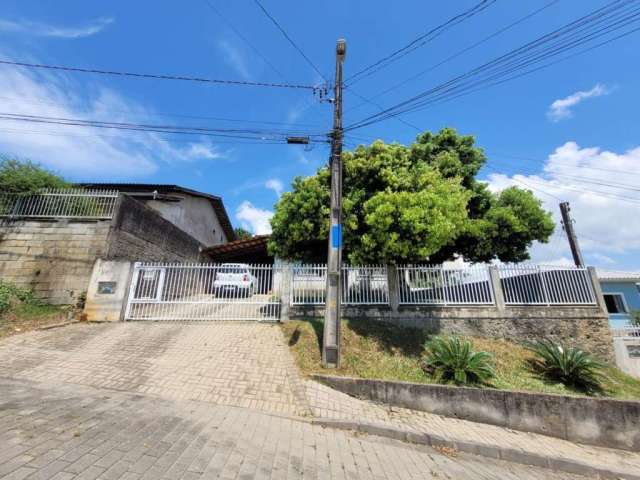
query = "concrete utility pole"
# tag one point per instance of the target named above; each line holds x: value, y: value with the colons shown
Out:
x: 331, y: 336
x: 567, y: 223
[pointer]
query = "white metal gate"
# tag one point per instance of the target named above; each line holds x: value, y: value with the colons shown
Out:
x: 198, y: 291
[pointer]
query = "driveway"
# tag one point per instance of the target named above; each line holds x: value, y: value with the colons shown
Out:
x: 225, y: 363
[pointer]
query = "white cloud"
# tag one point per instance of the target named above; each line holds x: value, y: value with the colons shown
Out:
x: 234, y: 57
x: 199, y: 151
x: 561, y: 108
x: 275, y: 185
x: 44, y: 30
x: 606, y: 224
x: 254, y: 219
x: 84, y: 153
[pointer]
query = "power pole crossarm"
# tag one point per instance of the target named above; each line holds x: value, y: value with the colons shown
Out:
x: 567, y: 222
x: 331, y: 336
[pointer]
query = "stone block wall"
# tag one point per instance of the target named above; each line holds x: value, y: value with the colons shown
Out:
x: 54, y: 258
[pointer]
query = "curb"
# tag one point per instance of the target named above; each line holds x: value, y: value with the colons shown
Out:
x: 491, y: 451
x: 58, y: 325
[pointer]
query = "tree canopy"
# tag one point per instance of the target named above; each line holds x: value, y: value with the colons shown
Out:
x: 242, y: 233
x: 27, y: 177
x: 411, y: 204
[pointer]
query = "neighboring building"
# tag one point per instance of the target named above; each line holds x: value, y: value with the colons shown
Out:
x: 621, y: 292
x: 49, y: 242
x: 199, y: 214
x: 250, y: 250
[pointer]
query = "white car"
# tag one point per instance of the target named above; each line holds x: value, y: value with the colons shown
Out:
x: 234, y: 278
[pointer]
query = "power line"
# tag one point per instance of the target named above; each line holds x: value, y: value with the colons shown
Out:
x: 461, y: 52
x: 176, y: 115
x: 579, y: 179
x: 159, y: 76
x: 582, y: 167
x: 93, y: 135
x: 224, y: 133
x: 598, y: 193
x: 380, y: 107
x: 418, y: 42
x: 558, y: 41
x: 290, y: 40
x: 242, y: 37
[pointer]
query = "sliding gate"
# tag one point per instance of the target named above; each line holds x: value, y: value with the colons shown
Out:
x: 204, y: 292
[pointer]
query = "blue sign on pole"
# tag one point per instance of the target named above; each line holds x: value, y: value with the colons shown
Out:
x: 336, y: 236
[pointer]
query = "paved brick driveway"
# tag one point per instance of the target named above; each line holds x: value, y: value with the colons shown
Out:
x: 59, y: 431
x: 226, y: 363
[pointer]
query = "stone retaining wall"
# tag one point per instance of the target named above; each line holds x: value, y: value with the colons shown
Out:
x: 593, y: 421
x: 55, y: 257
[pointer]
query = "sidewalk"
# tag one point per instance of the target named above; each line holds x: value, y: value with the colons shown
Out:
x: 336, y: 409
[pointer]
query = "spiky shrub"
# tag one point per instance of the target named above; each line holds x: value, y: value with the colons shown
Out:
x: 453, y: 359
x: 571, y: 366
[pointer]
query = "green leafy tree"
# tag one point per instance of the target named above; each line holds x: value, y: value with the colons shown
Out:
x: 411, y: 204
x: 27, y: 177
x: 242, y: 234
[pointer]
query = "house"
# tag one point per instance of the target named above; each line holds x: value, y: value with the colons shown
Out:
x: 50, y: 241
x: 199, y: 214
x: 621, y: 292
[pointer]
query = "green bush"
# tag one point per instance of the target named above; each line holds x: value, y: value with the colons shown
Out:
x: 10, y: 294
x: 568, y: 365
x: 635, y: 318
x: 452, y: 359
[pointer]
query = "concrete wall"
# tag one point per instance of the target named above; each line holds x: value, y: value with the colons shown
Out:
x: 631, y: 296
x: 593, y: 421
x: 52, y: 257
x: 627, y: 351
x: 138, y: 233
x: 194, y: 215
x: 107, y: 290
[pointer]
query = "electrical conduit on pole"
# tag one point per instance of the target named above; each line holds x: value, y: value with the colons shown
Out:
x: 331, y: 334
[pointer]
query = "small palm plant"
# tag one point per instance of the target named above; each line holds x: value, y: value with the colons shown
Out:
x: 568, y: 365
x: 452, y: 359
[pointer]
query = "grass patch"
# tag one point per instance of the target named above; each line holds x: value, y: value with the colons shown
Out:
x: 377, y: 350
x: 20, y: 312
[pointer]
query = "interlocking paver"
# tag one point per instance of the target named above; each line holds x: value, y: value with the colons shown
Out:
x: 228, y: 363
x: 212, y: 367
x: 241, y: 443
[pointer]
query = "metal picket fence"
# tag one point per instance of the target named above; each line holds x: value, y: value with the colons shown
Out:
x: 61, y: 203
x: 361, y: 285
x: 196, y: 291
x: 524, y: 284
x: 226, y: 291
x: 627, y: 332
x: 435, y: 285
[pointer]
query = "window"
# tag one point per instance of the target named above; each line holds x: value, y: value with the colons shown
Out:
x: 615, y: 303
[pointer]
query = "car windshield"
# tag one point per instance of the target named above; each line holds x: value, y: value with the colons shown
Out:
x: 232, y: 270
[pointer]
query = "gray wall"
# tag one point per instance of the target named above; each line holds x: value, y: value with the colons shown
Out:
x: 194, y: 215
x: 594, y: 421
x: 626, y: 362
x: 138, y: 233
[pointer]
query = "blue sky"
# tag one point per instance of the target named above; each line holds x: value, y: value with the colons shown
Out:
x: 576, y: 118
